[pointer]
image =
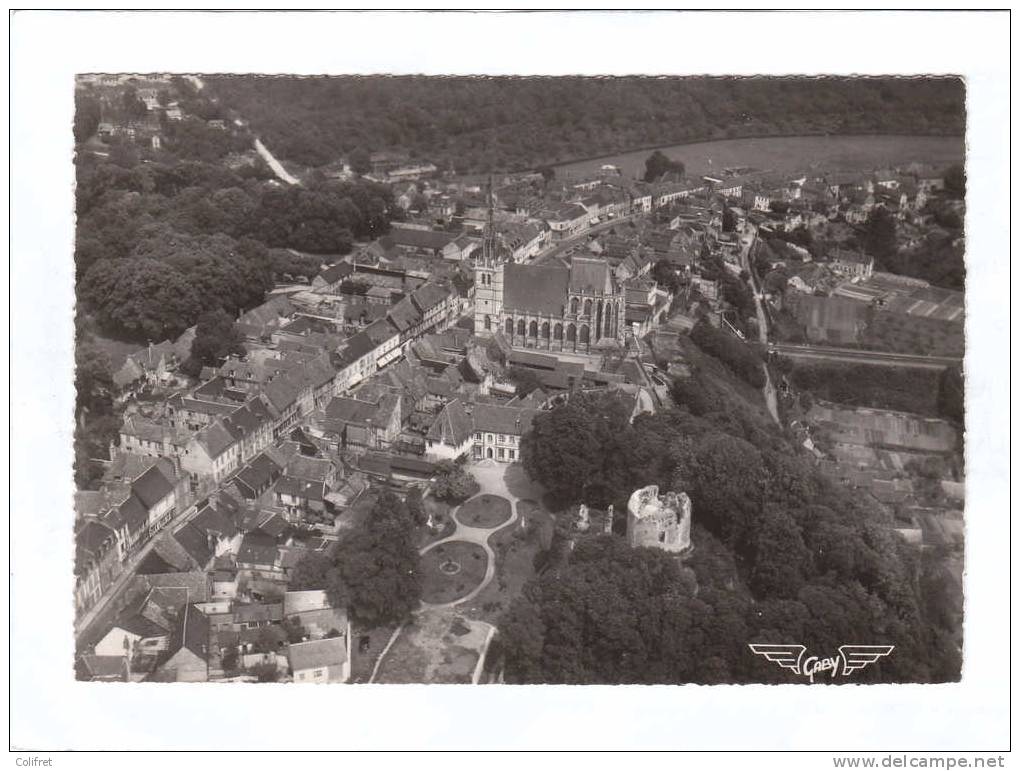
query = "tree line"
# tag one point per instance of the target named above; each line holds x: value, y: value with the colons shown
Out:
x: 159, y: 242
x: 477, y: 124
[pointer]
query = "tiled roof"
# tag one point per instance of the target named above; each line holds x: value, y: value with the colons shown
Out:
x: 244, y: 614
x: 350, y: 410
x: 196, y: 543
x: 337, y: 272
x: 214, y: 519
x: 420, y: 239
x: 91, y: 541
x: 153, y: 486
x: 317, y: 654
x: 356, y: 347
x: 501, y: 420
x: 109, y: 668
x: 452, y: 426
x: 143, y: 429
x: 312, y: 469
x: 380, y: 331
x: 133, y: 513
x: 259, y: 474
x: 429, y: 296
x: 128, y: 466
x: 192, y: 586
x: 258, y: 547
x: 300, y: 488
x: 141, y: 626
x: 534, y: 288
x: 269, y: 312
x: 534, y: 360
x: 215, y: 439
x: 191, y: 632
x: 282, y: 392
x: 404, y: 315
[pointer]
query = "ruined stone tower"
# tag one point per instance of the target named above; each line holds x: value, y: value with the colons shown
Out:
x: 661, y: 522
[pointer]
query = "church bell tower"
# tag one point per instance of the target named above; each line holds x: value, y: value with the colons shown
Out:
x: 488, y: 277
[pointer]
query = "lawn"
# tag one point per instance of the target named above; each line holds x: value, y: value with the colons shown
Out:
x: 485, y: 511
x: 516, y: 548
x: 363, y: 658
x: 451, y: 570
x: 116, y: 350
x: 437, y: 647
x: 914, y: 334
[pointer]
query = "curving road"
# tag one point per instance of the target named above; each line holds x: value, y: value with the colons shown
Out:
x: 554, y: 250
x: 478, y: 536
x: 274, y: 164
x: 768, y: 390
x: 491, y: 480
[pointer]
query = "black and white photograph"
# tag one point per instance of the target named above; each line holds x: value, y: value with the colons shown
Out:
x: 376, y: 383
x: 640, y: 379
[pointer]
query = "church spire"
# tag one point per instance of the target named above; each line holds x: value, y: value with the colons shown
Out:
x: 489, y: 238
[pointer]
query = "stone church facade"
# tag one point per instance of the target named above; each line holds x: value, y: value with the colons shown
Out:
x: 552, y: 308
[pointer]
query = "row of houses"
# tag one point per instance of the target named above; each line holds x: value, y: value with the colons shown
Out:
x: 184, y: 634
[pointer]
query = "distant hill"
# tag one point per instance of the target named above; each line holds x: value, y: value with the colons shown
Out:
x: 520, y: 123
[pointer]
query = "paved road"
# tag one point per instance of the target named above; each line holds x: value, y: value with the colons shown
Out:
x: 492, y: 483
x: 490, y: 476
x: 274, y: 164
x: 552, y: 252
x: 768, y: 390
x: 853, y: 355
x: 84, y: 625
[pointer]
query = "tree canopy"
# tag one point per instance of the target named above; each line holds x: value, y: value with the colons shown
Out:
x: 379, y: 564
x: 658, y: 164
x: 474, y: 124
x: 781, y: 553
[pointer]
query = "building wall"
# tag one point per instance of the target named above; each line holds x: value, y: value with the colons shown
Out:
x: 505, y: 448
x: 441, y: 451
x: 112, y: 643
x: 328, y: 674
x: 488, y: 299
x: 659, y: 522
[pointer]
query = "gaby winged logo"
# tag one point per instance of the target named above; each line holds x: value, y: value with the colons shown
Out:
x: 849, y: 659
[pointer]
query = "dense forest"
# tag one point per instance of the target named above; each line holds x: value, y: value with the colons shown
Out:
x: 473, y: 124
x: 781, y: 553
x: 164, y: 235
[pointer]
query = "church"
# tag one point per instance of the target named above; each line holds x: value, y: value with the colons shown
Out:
x: 549, y: 307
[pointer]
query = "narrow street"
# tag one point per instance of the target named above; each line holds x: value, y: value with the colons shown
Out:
x: 83, y: 624
x: 747, y: 241
x: 553, y: 251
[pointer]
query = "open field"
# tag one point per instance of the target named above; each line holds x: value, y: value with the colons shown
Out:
x: 869, y: 385
x: 918, y: 334
x: 830, y: 319
x: 884, y: 428
x: 787, y: 154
